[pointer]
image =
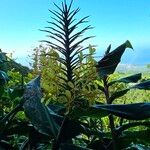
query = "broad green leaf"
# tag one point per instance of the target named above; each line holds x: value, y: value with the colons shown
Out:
x: 108, y: 50
x: 130, y: 79
x: 79, y: 112
x: 118, y: 94
x: 133, y: 78
x: 143, y: 85
x: 43, y: 118
x: 107, y: 65
x: 65, y: 146
x: 137, y: 111
x: 129, y: 125
x: 40, y: 116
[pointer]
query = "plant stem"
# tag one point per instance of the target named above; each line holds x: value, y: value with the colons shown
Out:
x: 13, y: 112
x: 4, y: 122
x: 111, y: 119
x: 57, y: 142
x: 120, y: 129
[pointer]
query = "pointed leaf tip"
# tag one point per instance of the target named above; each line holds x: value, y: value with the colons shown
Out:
x: 35, y: 82
x: 108, y: 50
x: 108, y: 64
x: 128, y: 44
x: 145, y: 85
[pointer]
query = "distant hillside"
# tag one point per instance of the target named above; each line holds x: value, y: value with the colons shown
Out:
x: 132, y: 68
x: 7, y: 63
x: 11, y: 64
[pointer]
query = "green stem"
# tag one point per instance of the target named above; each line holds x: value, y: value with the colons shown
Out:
x: 12, y: 113
x: 57, y: 142
x: 111, y: 119
x: 4, y: 123
x: 120, y: 129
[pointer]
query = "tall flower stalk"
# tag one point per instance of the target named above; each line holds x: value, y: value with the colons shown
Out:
x: 66, y: 39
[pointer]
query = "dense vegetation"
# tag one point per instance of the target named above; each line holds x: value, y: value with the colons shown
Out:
x: 70, y: 101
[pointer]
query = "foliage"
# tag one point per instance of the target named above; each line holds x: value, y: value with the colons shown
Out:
x: 88, y: 117
x: 46, y: 65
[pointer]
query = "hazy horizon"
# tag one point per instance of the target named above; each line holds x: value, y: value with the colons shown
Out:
x: 114, y: 22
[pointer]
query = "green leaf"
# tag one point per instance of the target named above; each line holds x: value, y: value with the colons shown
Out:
x: 107, y: 65
x: 40, y: 116
x: 118, y: 94
x: 130, y: 79
x: 43, y: 118
x: 126, y: 126
x: 143, y: 85
x: 137, y: 111
x: 133, y: 78
x: 108, y: 50
x: 79, y: 112
x: 65, y: 146
x: 128, y: 44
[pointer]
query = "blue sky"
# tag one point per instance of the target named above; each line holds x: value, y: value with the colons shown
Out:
x: 115, y: 21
